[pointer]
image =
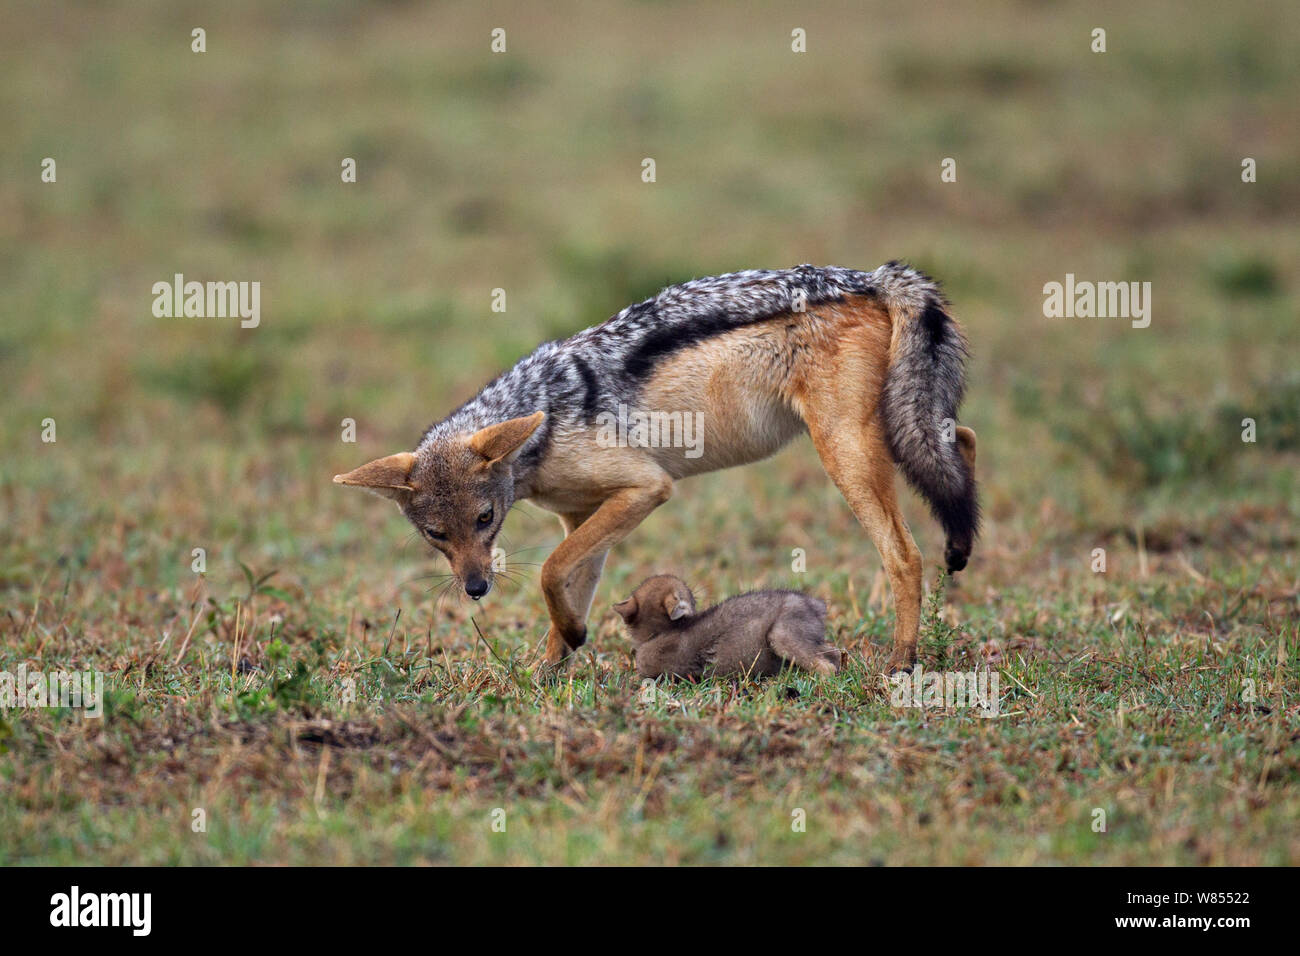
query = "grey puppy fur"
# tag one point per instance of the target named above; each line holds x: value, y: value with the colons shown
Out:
x: 753, y: 634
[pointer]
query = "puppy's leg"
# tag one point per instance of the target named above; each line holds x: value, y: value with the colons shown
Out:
x: 791, y: 640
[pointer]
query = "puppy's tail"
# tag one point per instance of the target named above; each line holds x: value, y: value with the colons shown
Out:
x: 923, y: 391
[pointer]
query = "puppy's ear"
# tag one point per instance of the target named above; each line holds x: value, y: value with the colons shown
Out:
x: 676, y: 606
x: 626, y: 608
x: 500, y: 443
x: 384, y: 476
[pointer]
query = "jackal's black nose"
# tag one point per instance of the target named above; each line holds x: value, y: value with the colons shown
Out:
x: 476, y: 587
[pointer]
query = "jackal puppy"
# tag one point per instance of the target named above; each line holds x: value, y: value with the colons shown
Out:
x: 752, y: 634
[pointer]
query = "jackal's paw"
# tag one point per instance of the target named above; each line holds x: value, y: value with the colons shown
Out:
x: 559, y: 646
x: 544, y: 672
x: 901, y: 662
x: 555, y: 657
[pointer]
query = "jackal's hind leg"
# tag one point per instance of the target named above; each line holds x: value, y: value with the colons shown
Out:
x: 850, y: 441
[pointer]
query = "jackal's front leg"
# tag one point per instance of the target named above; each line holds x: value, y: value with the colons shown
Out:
x: 580, y: 588
x: 570, y: 574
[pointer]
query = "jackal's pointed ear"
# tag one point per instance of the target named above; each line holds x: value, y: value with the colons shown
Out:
x: 626, y: 608
x: 384, y: 476
x: 499, y: 444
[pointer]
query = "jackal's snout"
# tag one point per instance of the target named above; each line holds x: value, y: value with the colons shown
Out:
x: 471, y: 562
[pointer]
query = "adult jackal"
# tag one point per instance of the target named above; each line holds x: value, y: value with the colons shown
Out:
x: 869, y: 364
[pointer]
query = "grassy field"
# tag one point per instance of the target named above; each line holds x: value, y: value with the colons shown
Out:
x: 1164, y: 691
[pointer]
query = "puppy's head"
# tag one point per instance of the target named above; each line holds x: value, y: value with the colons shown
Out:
x: 656, y: 606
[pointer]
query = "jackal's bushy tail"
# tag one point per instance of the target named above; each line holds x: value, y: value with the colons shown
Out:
x: 923, y: 391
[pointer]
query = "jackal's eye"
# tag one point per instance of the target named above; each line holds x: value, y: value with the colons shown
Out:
x: 435, y: 535
x: 485, y: 518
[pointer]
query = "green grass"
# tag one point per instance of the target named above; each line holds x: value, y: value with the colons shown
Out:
x: 1122, y: 691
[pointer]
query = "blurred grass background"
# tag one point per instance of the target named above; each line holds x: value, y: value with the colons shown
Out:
x: 521, y: 171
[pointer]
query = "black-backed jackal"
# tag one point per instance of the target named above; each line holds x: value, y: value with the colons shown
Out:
x: 869, y: 364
